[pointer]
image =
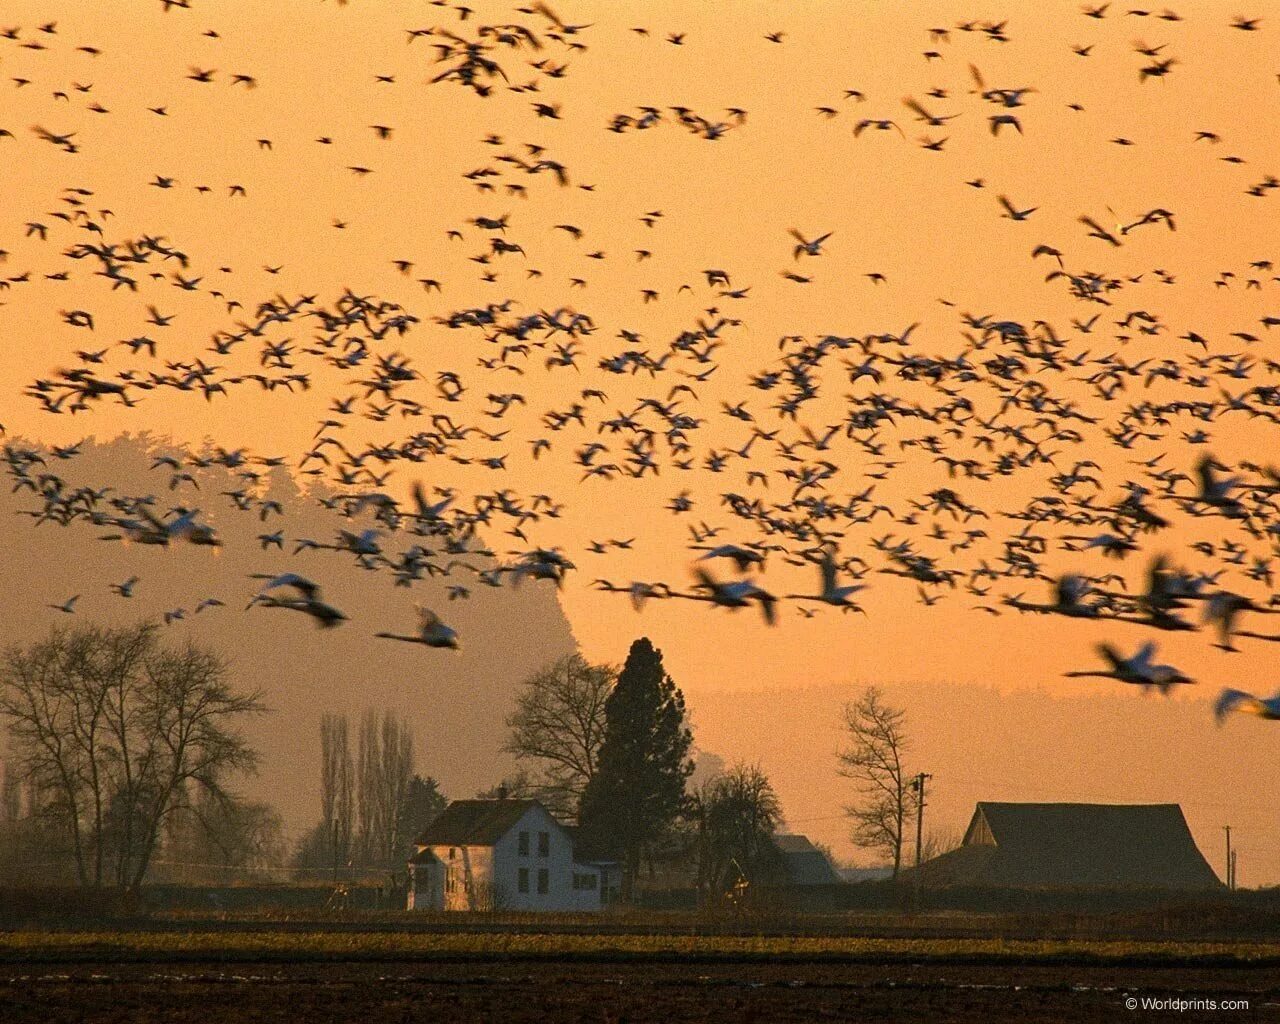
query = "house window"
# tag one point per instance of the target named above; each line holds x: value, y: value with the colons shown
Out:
x: 524, y: 844
x: 585, y: 881
x: 544, y: 880
x: 544, y: 844
x: 522, y: 882
x: 452, y: 853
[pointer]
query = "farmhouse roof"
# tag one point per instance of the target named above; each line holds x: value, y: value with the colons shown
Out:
x: 474, y: 822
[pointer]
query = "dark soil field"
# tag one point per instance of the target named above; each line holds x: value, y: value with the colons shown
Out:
x: 575, y: 992
x: 371, y: 969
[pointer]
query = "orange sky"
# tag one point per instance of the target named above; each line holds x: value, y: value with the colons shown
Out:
x: 893, y: 207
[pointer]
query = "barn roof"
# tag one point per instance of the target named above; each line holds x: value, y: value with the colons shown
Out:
x: 1075, y: 846
x: 475, y: 822
x: 804, y: 863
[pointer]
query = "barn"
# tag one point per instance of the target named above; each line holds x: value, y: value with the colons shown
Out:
x: 1074, y: 846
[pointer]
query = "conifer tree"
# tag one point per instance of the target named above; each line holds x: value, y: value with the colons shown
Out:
x: 638, y: 790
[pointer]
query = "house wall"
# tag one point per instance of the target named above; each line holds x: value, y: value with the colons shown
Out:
x: 467, y: 877
x: 481, y: 878
x: 610, y: 882
x: 426, y: 886
x: 557, y: 862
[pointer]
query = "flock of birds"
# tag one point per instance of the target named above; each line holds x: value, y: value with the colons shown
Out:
x: 854, y: 459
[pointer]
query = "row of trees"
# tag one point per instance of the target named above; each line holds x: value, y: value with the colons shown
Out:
x: 372, y: 802
x: 124, y: 751
x: 123, y: 755
x: 123, y: 746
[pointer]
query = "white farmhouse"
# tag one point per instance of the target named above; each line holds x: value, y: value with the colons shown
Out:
x: 501, y: 855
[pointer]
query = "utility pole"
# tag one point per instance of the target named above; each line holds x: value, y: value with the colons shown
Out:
x: 917, y: 785
x: 1231, y: 875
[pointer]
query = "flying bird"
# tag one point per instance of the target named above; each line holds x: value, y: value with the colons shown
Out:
x: 1245, y: 703
x: 1137, y: 669
x: 305, y: 598
x: 808, y: 247
x: 431, y: 632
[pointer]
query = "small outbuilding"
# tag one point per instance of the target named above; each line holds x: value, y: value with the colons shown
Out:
x: 1076, y: 846
x: 803, y: 863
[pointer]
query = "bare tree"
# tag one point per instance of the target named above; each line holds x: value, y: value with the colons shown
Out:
x: 337, y: 783
x: 558, y: 723
x: 10, y: 794
x: 736, y: 815
x: 384, y: 771
x: 396, y: 777
x: 939, y: 841
x: 876, y: 740
x: 234, y: 834
x: 60, y: 696
x: 214, y: 838
x: 116, y: 729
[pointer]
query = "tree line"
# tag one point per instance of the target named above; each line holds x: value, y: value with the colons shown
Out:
x: 373, y: 802
x: 125, y: 752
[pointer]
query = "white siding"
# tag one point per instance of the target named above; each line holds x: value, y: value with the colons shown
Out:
x: 557, y: 862
x: 489, y: 877
x: 426, y: 886
x: 468, y: 877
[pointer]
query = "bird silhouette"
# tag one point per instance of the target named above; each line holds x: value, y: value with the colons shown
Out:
x: 1137, y: 669
x: 431, y: 632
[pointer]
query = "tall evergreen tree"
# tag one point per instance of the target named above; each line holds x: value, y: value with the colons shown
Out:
x: 638, y: 789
